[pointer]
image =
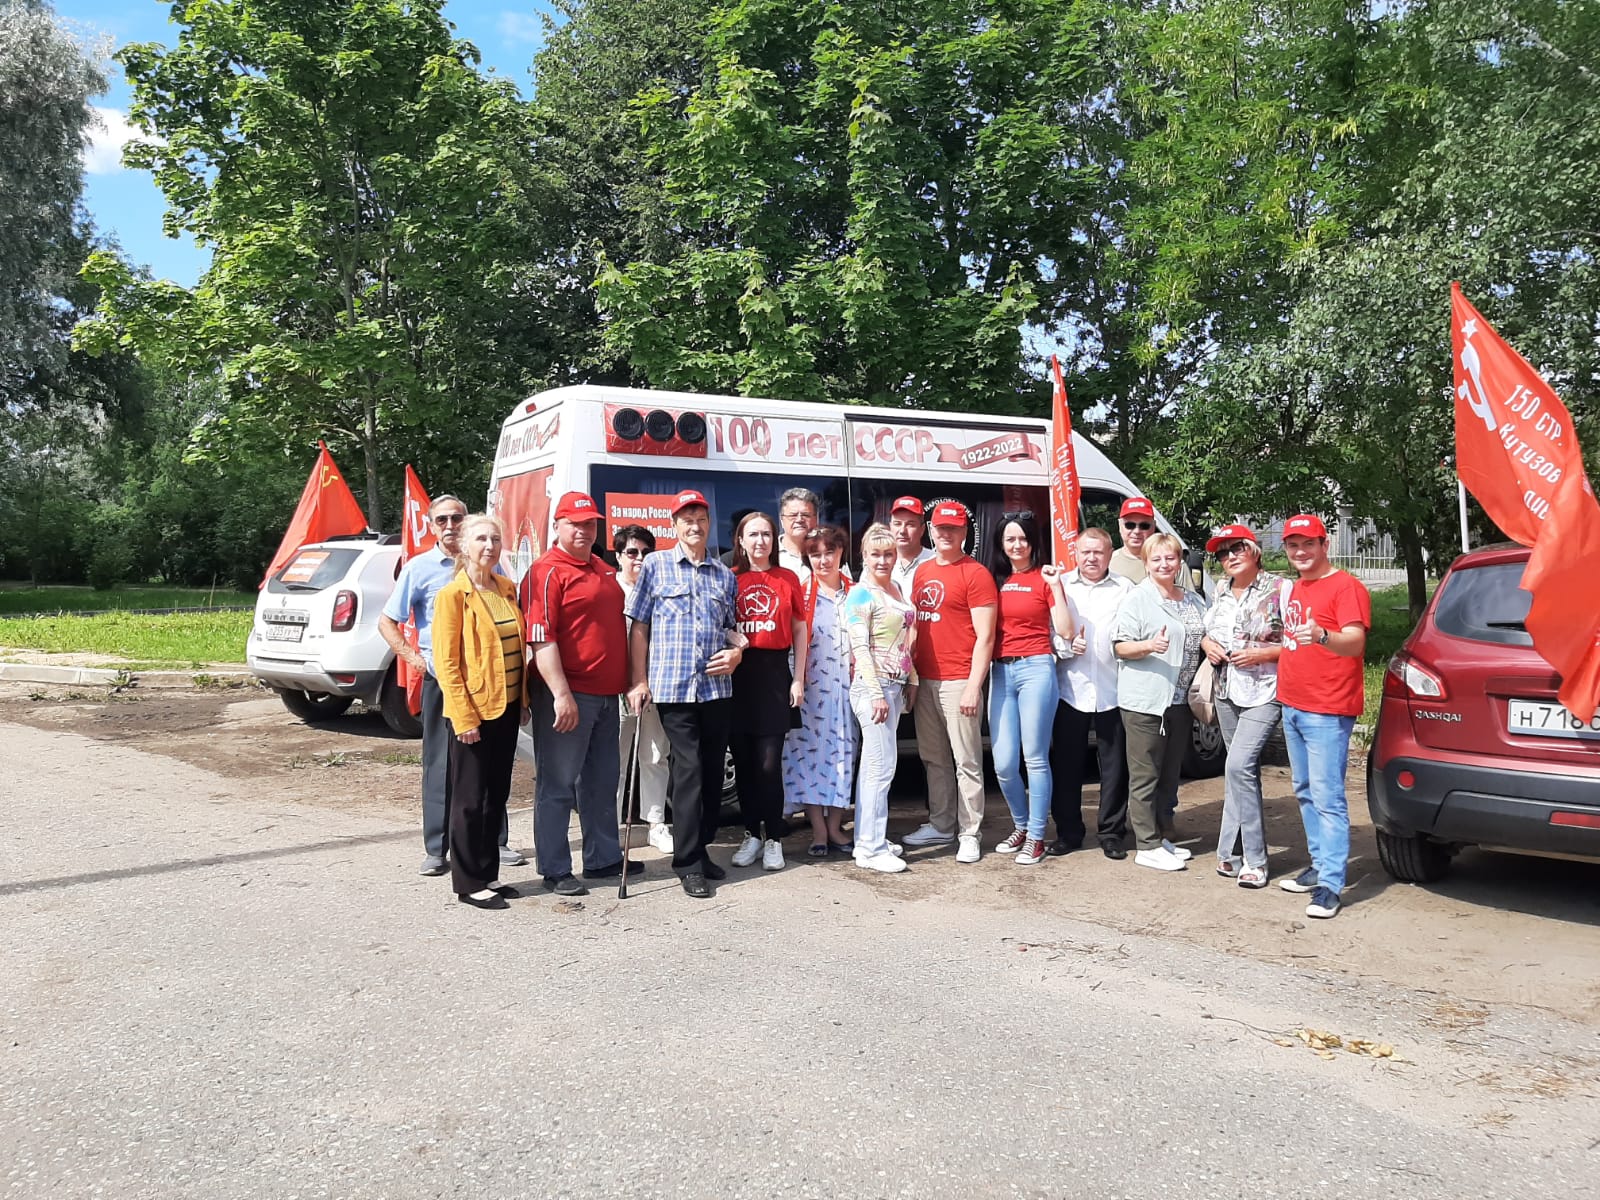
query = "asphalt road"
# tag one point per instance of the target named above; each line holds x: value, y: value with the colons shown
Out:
x: 217, y: 994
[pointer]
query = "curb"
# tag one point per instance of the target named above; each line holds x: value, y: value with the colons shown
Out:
x: 108, y: 676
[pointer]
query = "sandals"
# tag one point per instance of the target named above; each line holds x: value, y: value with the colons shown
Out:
x: 818, y: 850
x: 842, y: 847
x: 1253, y: 877
x: 1227, y: 869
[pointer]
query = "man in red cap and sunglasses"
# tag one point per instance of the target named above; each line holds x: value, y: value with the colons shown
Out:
x: 1138, y: 521
x: 573, y: 605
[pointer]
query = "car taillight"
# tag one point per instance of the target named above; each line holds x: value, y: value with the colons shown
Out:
x: 344, y: 611
x: 1407, y: 680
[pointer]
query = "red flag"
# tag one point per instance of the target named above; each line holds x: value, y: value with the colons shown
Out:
x: 416, y: 536
x: 1513, y: 436
x: 1064, y: 487
x: 327, y: 508
x: 1518, y: 455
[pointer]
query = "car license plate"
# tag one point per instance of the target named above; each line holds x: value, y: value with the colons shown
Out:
x: 1543, y: 719
x: 285, y: 633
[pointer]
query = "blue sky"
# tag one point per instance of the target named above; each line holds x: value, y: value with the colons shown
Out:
x: 127, y: 203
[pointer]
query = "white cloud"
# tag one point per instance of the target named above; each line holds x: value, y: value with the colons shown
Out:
x: 520, y: 28
x: 106, y: 136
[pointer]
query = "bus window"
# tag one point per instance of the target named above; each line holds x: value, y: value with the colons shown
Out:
x: 871, y: 498
x: 731, y: 493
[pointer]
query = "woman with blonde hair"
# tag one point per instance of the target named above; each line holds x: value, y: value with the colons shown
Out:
x: 1157, y: 644
x: 479, y: 655
x: 883, y: 628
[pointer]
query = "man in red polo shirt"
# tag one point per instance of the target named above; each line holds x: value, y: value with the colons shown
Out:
x: 956, y: 603
x: 573, y: 604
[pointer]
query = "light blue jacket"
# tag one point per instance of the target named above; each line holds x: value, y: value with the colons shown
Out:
x: 1145, y: 685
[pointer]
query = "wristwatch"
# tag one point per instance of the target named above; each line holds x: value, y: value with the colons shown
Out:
x: 1322, y: 640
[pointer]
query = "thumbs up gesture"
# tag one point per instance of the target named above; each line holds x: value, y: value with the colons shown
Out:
x: 1159, y: 643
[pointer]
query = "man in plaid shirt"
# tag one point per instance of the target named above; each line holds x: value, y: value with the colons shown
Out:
x: 684, y: 649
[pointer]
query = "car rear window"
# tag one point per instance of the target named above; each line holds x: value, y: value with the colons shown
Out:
x: 313, y: 570
x: 1486, y: 605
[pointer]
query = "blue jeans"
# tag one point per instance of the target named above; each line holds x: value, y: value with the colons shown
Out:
x: 1022, y: 709
x: 1319, y: 752
x: 577, y: 769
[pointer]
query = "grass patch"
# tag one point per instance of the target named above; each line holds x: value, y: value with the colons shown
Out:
x: 189, y: 639
x: 85, y: 599
x: 1391, y: 625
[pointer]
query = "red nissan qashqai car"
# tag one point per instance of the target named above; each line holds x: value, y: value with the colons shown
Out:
x: 1472, y: 747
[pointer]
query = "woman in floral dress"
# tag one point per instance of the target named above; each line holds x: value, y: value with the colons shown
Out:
x: 819, y: 757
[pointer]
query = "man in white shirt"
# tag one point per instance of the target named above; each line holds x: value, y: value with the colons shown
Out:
x: 797, y: 517
x: 1088, y: 681
x: 906, y: 524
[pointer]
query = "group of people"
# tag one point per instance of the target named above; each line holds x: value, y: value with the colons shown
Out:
x: 655, y: 669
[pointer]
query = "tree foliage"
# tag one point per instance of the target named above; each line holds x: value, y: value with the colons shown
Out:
x: 372, y: 208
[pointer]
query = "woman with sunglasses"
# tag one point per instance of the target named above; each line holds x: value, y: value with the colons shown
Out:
x: 632, y: 543
x: 1244, y: 637
x: 1022, y: 681
x: 770, y: 610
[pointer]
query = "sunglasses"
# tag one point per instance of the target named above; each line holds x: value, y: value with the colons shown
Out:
x: 1229, y: 551
x: 633, y: 552
x: 1138, y: 525
x: 449, y: 518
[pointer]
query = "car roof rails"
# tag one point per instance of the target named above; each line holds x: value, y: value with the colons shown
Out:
x: 366, y: 535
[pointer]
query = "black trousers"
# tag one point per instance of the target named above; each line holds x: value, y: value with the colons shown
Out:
x: 698, y: 737
x: 1069, y: 762
x: 758, y: 762
x: 480, y: 784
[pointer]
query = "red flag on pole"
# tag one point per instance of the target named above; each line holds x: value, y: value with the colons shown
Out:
x: 1064, y: 488
x: 1517, y: 453
x: 416, y: 536
x: 327, y: 508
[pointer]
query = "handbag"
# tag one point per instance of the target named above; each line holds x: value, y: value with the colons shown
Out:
x: 1203, y: 693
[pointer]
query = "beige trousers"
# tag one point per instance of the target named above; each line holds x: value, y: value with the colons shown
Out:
x: 951, y: 748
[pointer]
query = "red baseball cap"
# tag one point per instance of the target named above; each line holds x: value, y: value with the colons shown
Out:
x: 908, y: 504
x: 1305, y: 525
x: 1137, y: 506
x: 949, y: 513
x: 577, y: 506
x: 688, y: 499
x: 1230, y: 533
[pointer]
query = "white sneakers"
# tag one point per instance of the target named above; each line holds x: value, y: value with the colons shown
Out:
x: 967, y: 851
x: 749, y: 850
x: 889, y: 864
x: 926, y: 835
x: 771, y: 855
x: 1013, y: 843
x: 1161, y: 859
x: 661, y: 837
x: 1175, y: 851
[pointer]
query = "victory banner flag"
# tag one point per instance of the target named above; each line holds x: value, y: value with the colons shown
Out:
x: 327, y: 508
x: 416, y: 536
x: 1065, y: 491
x: 1518, y: 454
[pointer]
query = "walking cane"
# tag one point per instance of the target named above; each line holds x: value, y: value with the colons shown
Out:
x: 629, y: 797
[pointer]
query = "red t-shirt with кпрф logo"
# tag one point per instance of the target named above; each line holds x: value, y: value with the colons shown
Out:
x: 1313, y: 678
x: 945, y: 597
x: 766, y: 607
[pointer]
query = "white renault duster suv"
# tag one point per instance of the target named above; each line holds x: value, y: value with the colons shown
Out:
x: 315, y: 639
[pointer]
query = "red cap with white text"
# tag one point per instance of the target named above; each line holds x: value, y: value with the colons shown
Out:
x: 1137, y: 506
x: 1229, y: 533
x: 1305, y: 525
x: 688, y: 499
x: 577, y: 506
x: 948, y: 513
x: 908, y: 504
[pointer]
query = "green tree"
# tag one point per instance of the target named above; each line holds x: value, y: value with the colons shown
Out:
x: 873, y: 201
x: 373, y: 209
x: 46, y: 80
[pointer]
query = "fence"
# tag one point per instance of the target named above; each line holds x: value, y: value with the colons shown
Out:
x: 1356, y: 547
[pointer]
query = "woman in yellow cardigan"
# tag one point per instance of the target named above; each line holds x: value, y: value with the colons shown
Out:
x: 479, y: 658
